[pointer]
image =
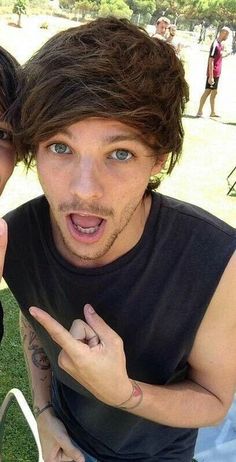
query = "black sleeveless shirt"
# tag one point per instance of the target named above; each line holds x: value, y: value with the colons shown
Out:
x: 154, y: 297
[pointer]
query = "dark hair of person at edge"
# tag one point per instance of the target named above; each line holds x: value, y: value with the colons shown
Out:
x: 10, y: 71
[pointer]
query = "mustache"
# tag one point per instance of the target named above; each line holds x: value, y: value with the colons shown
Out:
x: 93, y: 208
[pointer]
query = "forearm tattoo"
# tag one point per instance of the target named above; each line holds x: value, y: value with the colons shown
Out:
x: 38, y: 355
x: 34, y: 352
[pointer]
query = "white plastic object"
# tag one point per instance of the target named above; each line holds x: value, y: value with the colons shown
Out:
x: 16, y: 394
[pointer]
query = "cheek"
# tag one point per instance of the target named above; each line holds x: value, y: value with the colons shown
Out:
x: 7, y: 163
x: 51, y: 182
x: 46, y: 177
x: 130, y: 192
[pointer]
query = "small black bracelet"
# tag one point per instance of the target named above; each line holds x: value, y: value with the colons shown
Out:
x: 37, y: 412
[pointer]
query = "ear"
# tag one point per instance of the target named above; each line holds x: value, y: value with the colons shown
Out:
x: 159, y: 164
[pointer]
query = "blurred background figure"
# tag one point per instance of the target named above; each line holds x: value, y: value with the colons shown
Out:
x: 162, y: 25
x: 202, y: 35
x: 213, y: 72
x: 172, y: 39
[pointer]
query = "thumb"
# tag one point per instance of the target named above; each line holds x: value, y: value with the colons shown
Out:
x: 103, y: 331
x: 3, y: 243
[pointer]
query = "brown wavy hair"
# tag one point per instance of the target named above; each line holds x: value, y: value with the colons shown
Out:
x: 9, y: 68
x: 9, y: 77
x: 107, y: 68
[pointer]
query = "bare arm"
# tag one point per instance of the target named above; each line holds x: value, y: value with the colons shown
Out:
x: 210, y: 70
x: 201, y: 400
x: 206, y: 397
x: 38, y: 366
x: 56, y: 444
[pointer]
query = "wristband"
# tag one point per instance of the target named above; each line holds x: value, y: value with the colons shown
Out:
x: 135, y: 398
x: 38, y: 411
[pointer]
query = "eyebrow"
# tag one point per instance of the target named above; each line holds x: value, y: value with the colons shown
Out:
x: 123, y: 137
x: 109, y: 139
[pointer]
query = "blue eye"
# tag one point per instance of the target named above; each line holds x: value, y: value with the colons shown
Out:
x: 5, y: 135
x: 121, y: 154
x: 59, y: 148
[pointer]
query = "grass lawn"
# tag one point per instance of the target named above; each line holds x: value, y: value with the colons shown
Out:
x: 200, y: 178
x: 18, y: 443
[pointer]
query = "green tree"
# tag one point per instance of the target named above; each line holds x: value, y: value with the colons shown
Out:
x: 19, y: 8
x: 209, y: 11
x: 175, y: 9
x: 67, y: 4
x: 142, y: 6
x: 118, y: 8
x: 227, y: 11
x: 84, y: 7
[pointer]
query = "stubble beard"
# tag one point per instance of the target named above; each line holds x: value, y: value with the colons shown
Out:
x: 126, y: 217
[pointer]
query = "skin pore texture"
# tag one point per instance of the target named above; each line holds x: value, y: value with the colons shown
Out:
x: 98, y: 211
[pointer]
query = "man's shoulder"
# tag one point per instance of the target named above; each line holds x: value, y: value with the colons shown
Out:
x: 195, y: 216
x: 26, y: 224
x: 215, y: 47
x: 22, y: 212
x: 159, y: 36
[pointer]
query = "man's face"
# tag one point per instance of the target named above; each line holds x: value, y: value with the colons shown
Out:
x: 224, y: 35
x: 94, y: 174
x: 7, y: 154
x: 161, y: 28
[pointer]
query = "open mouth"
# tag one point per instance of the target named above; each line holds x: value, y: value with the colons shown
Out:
x: 86, y: 227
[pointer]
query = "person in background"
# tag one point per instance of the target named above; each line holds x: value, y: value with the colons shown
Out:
x: 127, y: 296
x: 8, y: 82
x: 162, y: 25
x: 172, y: 40
x: 214, y: 68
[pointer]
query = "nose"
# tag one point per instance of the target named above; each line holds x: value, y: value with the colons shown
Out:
x: 87, y: 179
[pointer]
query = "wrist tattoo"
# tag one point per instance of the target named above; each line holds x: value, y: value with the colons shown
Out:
x: 38, y: 411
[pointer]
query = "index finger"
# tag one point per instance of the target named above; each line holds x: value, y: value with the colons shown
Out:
x: 3, y: 243
x: 58, y: 333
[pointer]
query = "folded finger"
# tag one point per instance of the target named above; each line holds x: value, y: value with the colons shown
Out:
x: 58, y: 333
x: 81, y: 331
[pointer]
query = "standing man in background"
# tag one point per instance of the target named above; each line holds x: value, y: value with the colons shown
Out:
x: 213, y: 72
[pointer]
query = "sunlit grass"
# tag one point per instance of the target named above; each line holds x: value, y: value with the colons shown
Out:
x: 18, y: 443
